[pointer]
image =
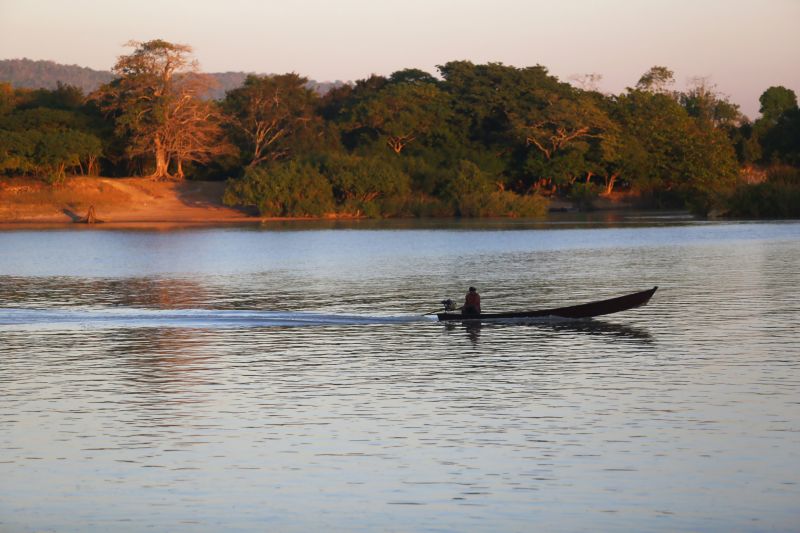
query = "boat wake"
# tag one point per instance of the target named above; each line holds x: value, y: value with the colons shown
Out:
x: 184, y: 318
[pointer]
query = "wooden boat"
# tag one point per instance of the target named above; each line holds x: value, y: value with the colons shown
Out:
x: 602, y: 307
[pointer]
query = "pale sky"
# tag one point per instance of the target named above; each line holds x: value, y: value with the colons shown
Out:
x: 743, y: 46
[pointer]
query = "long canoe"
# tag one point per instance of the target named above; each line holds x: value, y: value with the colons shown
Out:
x: 587, y: 310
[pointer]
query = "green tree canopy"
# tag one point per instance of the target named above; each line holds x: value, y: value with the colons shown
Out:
x: 50, y: 153
x: 663, y: 148
x: 775, y: 101
x: 703, y: 102
x: 412, y: 75
x: 399, y: 113
x: 485, y: 97
x: 657, y: 79
x: 50, y: 141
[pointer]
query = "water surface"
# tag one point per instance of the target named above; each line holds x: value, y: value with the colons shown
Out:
x: 282, y: 378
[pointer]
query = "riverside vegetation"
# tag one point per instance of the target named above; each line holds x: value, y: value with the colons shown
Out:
x: 480, y: 140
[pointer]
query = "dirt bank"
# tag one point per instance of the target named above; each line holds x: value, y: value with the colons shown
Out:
x: 143, y: 200
x: 116, y: 200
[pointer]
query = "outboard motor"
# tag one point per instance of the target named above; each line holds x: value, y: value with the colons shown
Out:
x: 449, y: 305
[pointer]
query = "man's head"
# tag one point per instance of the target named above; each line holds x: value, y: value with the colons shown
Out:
x: 473, y: 289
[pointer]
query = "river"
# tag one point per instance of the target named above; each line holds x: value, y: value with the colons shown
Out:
x: 282, y: 378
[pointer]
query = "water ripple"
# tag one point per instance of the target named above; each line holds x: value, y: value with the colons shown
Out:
x: 166, y: 401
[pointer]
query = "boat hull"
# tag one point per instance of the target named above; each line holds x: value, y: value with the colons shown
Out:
x: 587, y: 310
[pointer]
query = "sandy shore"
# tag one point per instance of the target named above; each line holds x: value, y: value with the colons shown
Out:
x: 117, y: 200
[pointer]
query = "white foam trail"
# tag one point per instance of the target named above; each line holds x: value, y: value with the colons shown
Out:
x: 131, y: 317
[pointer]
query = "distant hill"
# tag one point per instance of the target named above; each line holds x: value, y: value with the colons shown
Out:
x: 30, y: 74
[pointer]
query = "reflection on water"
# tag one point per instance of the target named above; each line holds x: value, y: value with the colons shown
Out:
x: 81, y: 292
x: 288, y: 381
x: 603, y: 328
x: 587, y: 326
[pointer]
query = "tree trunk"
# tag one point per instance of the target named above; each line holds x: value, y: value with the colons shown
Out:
x: 91, y: 166
x: 610, y: 183
x: 179, y: 170
x: 162, y: 161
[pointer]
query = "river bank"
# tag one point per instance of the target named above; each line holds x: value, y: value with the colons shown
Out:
x: 25, y: 200
x: 143, y: 200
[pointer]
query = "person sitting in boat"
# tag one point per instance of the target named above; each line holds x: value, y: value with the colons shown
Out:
x: 472, y: 303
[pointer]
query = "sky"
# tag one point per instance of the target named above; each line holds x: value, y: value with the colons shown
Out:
x: 741, y: 46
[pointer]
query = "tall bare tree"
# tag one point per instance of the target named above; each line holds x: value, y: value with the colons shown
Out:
x: 266, y: 112
x: 194, y: 131
x: 157, y: 104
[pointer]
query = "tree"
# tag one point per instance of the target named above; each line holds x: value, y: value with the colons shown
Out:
x: 48, y: 141
x: 656, y: 80
x: 400, y: 113
x: 781, y: 142
x: 58, y: 150
x: 17, y: 151
x: 485, y: 98
x: 562, y: 122
x: 64, y: 96
x: 267, y: 112
x: 50, y: 152
x: 194, y: 134
x: 412, y: 75
x: 493, y: 104
x: 663, y: 149
x: 156, y: 103
x: 703, y: 102
x: 772, y: 139
x: 775, y: 101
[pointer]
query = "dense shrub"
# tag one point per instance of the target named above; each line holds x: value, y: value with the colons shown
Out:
x: 468, y: 189
x: 365, y: 186
x: 423, y: 206
x: 511, y: 204
x: 777, y: 197
x: 282, y: 189
x: 473, y: 194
